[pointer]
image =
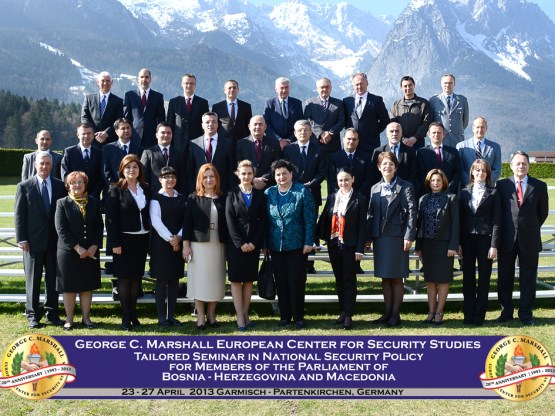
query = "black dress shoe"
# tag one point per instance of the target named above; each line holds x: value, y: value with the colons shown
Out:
x: 214, y: 324
x: 126, y: 326
x: 340, y: 319
x: 136, y: 323
x: 527, y: 322
x: 164, y: 324
x: 201, y: 327
x: 392, y: 323
x: 348, y: 323
x: 504, y: 318
x: 35, y: 324
x: 174, y: 322
x: 283, y: 323
x: 299, y: 325
x: 88, y: 326
x: 55, y: 321
x: 381, y: 320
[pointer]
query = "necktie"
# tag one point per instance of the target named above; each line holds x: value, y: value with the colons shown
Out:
x: 258, y: 148
x: 86, y: 159
x: 166, y: 154
x: 209, y: 151
x: 102, y: 106
x: 284, y: 108
x: 232, y: 115
x: 124, y: 147
x: 303, y: 157
x: 519, y: 193
x: 45, y: 197
x: 143, y: 100
x: 393, y: 148
x: 440, y: 160
x: 325, y: 104
x: 478, y: 151
x: 351, y: 159
x: 449, y: 102
x: 359, y: 107
x: 189, y: 104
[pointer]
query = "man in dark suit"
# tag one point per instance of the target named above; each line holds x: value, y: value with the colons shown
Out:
x: 366, y: 113
x: 233, y: 114
x: 101, y: 110
x: 438, y: 156
x: 85, y: 158
x: 43, y: 140
x: 358, y: 161
x: 406, y: 156
x: 113, y: 153
x: 524, y: 209
x: 163, y: 154
x: 211, y: 148
x: 326, y: 115
x: 282, y: 112
x: 261, y: 150
x: 35, y: 206
x: 144, y: 108
x: 185, y: 114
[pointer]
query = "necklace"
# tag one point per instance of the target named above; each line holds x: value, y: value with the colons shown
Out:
x: 286, y: 192
x: 244, y: 191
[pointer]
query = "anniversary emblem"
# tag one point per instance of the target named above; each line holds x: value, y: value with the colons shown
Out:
x: 36, y: 367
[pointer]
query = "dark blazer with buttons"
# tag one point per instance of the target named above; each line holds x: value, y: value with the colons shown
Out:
x: 270, y: 152
x: 426, y: 160
x: 522, y: 225
x: 246, y: 225
x: 123, y: 214
x: 112, y: 154
x: 361, y: 167
x: 354, y: 234
x: 331, y: 119
x: 315, y: 169
x: 238, y: 130
x: 28, y: 169
x: 223, y: 159
x: 486, y: 219
x: 153, y: 162
x: 447, y: 220
x: 144, y: 122
x: 400, y: 216
x: 196, y: 224
x: 407, y: 163
x: 278, y: 126
x: 186, y: 125
x: 73, y: 229
x: 73, y: 160
x: 90, y: 113
x: 373, y: 121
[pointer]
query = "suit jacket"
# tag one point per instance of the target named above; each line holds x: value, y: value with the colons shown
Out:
x: 144, y: 122
x: 112, y: 154
x: 270, y: 152
x: 487, y: 217
x: 153, y: 162
x: 73, y: 160
x: 454, y: 120
x: 28, y: 169
x: 447, y: 220
x: 315, y: 168
x: 278, y: 126
x: 222, y: 159
x: 246, y: 225
x: 186, y: 125
x: 331, y: 119
x: 73, y: 229
x: 361, y: 167
x: 522, y: 225
x: 354, y: 234
x: 32, y: 223
x: 373, y: 121
x: 196, y: 225
x: 426, y: 160
x: 491, y: 153
x: 407, y: 163
x: 241, y: 127
x: 90, y: 113
x: 399, y: 219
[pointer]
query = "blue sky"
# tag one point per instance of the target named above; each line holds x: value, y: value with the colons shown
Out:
x: 395, y: 7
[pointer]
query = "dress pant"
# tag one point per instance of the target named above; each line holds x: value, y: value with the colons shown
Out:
x: 475, y: 248
x: 290, y: 274
x: 527, y: 279
x: 34, y: 262
x: 344, y: 267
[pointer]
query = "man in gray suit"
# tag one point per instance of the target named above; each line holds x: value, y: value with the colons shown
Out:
x: 478, y: 147
x: 43, y: 140
x: 326, y: 116
x: 34, y: 209
x: 451, y: 110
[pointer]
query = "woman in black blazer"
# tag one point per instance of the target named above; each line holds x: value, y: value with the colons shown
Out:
x: 342, y: 225
x: 392, y: 228
x: 128, y: 225
x: 247, y: 221
x: 80, y: 231
x: 480, y: 214
x: 437, y: 241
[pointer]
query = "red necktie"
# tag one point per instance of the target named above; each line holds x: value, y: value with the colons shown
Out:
x: 232, y: 115
x: 143, y: 100
x: 438, y: 152
x: 189, y: 104
x: 209, y: 151
x: 519, y: 193
x: 258, y: 148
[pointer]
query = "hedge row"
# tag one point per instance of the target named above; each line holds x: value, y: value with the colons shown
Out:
x: 11, y: 160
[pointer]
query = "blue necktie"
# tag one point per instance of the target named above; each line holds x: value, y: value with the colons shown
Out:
x: 45, y: 197
x: 102, y: 106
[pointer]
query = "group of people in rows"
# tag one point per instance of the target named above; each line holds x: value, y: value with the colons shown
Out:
x: 261, y: 191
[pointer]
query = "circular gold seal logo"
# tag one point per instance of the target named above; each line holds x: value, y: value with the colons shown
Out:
x: 518, y: 368
x: 35, y: 367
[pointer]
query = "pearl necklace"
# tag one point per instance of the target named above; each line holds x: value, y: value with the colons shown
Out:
x: 245, y: 192
x: 286, y: 192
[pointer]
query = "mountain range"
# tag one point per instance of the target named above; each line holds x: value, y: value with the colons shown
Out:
x: 501, y: 51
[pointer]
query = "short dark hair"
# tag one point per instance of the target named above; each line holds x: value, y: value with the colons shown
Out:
x: 281, y: 163
x: 121, y: 121
x: 166, y: 171
x: 407, y: 78
x: 436, y: 124
x: 163, y: 124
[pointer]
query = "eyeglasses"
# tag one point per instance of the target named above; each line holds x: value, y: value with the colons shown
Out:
x: 169, y: 177
x: 77, y: 183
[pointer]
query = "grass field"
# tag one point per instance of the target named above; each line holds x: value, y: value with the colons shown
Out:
x: 319, y: 319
